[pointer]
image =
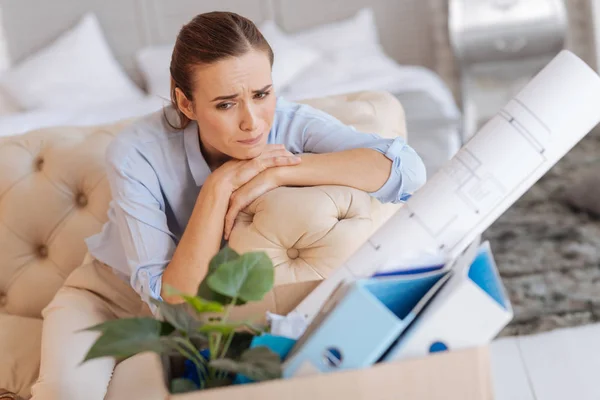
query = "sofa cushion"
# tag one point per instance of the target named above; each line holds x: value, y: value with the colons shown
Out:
x: 20, y: 343
x: 53, y: 193
x: 370, y: 111
x: 309, y: 231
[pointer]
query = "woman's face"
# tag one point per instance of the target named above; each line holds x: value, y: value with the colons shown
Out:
x: 234, y: 105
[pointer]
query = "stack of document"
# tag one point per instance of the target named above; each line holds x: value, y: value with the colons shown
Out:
x: 386, y: 303
x: 501, y: 162
x: 399, y: 315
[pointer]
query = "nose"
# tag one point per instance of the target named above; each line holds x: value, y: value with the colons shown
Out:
x: 248, y: 122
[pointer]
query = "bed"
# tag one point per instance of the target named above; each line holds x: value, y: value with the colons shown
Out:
x: 87, y: 62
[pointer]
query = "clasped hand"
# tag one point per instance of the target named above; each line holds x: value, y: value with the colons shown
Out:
x: 247, y: 180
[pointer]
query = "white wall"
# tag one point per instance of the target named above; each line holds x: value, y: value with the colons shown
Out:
x: 4, y: 57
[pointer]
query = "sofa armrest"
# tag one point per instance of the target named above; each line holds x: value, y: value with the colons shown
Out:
x: 310, y: 231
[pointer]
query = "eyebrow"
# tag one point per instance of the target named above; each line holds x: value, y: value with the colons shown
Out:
x: 233, y: 96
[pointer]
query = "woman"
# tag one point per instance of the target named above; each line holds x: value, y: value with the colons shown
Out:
x: 179, y: 178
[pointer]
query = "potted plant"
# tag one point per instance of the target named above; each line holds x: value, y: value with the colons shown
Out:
x: 199, y: 345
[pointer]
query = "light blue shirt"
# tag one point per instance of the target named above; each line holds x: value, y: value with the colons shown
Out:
x: 156, y: 173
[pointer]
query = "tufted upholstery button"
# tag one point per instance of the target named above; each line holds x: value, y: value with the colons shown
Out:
x: 42, y: 251
x: 81, y: 200
x: 293, y: 253
x: 39, y: 163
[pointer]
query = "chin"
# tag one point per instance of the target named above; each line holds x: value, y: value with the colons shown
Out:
x: 254, y: 152
x: 246, y: 153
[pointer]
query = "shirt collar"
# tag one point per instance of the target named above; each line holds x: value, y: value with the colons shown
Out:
x: 191, y: 141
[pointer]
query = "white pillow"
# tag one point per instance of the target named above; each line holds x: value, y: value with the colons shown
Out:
x: 77, y: 70
x: 154, y: 63
x: 8, y: 105
x: 336, y: 75
x: 357, y: 33
x: 291, y: 58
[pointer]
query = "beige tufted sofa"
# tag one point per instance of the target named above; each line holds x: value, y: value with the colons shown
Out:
x: 53, y: 194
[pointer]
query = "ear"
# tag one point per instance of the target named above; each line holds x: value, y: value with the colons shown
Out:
x: 184, y: 104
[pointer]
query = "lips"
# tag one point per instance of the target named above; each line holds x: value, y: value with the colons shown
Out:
x: 251, y: 142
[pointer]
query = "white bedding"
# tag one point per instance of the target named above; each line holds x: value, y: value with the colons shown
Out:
x: 396, y: 79
x: 15, y: 124
x: 350, y: 58
x: 393, y: 78
x: 334, y: 78
x: 426, y: 100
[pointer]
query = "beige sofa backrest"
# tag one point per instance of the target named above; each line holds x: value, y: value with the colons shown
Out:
x: 53, y: 194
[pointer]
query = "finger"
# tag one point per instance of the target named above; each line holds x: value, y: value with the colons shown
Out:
x: 272, y: 147
x: 238, y: 202
x: 275, y: 146
x: 226, y: 229
x: 249, y: 170
x: 277, y: 153
x: 280, y: 161
x: 284, y: 161
x: 254, y: 167
x: 230, y: 217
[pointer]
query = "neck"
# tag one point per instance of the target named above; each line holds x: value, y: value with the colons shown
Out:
x: 214, y: 158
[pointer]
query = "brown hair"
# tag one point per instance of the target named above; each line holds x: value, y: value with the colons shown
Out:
x: 206, y: 39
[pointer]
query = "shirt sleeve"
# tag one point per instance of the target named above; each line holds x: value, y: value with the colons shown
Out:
x: 141, y: 220
x: 310, y: 130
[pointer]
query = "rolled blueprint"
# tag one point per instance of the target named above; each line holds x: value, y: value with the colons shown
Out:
x: 556, y: 109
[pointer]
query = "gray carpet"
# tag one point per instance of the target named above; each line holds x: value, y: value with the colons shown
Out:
x: 548, y: 251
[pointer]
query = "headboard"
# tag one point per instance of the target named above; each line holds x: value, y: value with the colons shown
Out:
x: 130, y: 25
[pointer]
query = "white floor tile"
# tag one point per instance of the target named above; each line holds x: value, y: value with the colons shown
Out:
x: 563, y: 364
x: 508, y: 371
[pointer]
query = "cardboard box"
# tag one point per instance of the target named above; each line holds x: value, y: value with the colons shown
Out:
x: 457, y: 375
x: 460, y: 375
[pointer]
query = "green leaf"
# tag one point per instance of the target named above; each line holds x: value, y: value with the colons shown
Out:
x: 204, y: 306
x: 240, y: 343
x: 182, y: 385
x: 197, y: 302
x: 123, y: 338
x: 177, y: 315
x: 248, y: 277
x: 226, y: 254
x: 220, y: 327
x: 258, y: 363
x: 228, y: 327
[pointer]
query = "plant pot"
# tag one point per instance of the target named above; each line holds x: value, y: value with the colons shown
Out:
x: 173, y: 367
x: 177, y: 366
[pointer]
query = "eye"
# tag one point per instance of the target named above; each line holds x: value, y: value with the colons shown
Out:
x: 224, y: 106
x: 261, y: 95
